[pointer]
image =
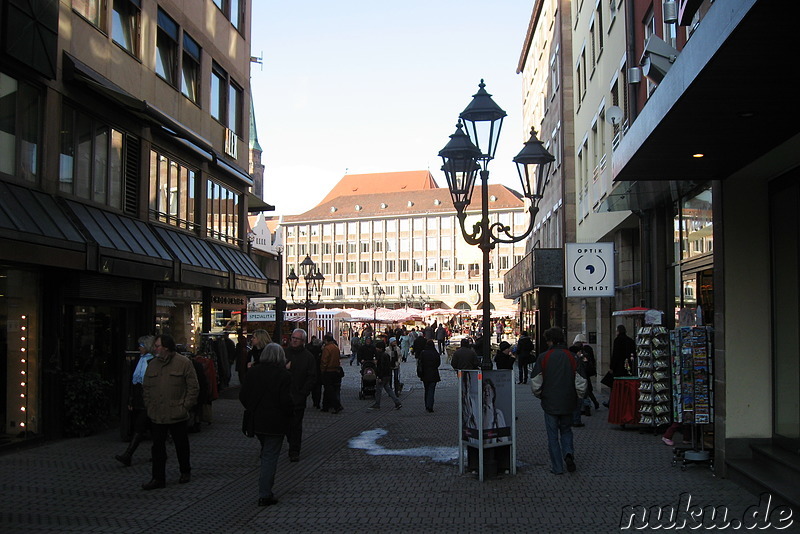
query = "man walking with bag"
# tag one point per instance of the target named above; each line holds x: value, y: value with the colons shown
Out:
x: 558, y: 381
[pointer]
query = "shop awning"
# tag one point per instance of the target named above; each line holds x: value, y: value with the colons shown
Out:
x: 35, y: 229
x: 256, y: 205
x: 128, y: 247
x: 247, y: 275
x: 198, y: 262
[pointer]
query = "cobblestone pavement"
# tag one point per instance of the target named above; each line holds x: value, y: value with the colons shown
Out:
x: 75, y: 485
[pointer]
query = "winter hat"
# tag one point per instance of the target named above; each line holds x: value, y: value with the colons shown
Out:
x: 392, y: 340
x: 580, y: 338
x: 504, y: 345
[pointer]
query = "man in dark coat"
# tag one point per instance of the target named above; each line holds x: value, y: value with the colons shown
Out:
x: 419, y: 345
x: 304, y: 369
x: 366, y: 351
x: 384, y: 375
x: 524, y: 352
x: 558, y: 382
x: 428, y: 363
x: 465, y: 357
x: 622, y: 349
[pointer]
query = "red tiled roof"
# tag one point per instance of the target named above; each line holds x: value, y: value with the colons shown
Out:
x: 381, y: 182
x: 396, y: 204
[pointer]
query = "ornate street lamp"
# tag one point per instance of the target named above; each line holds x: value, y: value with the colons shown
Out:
x: 463, y: 157
x: 373, y: 300
x: 314, y: 280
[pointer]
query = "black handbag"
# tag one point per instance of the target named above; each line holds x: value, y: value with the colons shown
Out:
x: 608, y: 379
x: 249, y: 419
x: 248, y: 424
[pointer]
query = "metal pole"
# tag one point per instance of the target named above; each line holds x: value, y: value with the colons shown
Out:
x: 308, y: 305
x: 279, y: 303
x: 486, y: 247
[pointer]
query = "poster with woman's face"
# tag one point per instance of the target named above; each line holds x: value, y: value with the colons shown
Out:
x: 497, y: 389
x: 486, y: 400
x: 469, y: 406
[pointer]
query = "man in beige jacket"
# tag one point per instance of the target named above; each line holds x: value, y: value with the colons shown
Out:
x: 170, y: 392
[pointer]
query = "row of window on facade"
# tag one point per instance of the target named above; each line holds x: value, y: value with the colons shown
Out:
x: 416, y: 265
x: 379, y: 246
x: 92, y: 165
x: 415, y: 224
x: 177, y: 54
x: 392, y: 292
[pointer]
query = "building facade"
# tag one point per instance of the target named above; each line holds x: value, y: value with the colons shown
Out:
x: 703, y: 226
x: 123, y: 190
x: 404, y: 234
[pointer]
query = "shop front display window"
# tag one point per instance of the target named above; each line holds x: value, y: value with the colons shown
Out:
x: 179, y: 314
x: 19, y: 348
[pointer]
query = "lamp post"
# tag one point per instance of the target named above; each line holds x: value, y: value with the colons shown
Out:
x: 314, y: 282
x: 468, y: 153
x: 278, y: 334
x: 375, y: 300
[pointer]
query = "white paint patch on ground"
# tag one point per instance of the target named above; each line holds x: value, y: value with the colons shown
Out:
x: 368, y: 439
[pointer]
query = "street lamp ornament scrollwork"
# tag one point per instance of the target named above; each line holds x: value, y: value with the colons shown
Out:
x: 468, y: 154
x: 314, y: 281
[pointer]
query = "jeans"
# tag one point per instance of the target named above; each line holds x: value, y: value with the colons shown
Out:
x: 385, y: 385
x: 430, y: 392
x: 523, y: 370
x: 270, y: 451
x: 180, y: 437
x: 559, y: 439
x: 295, y: 436
x: 576, y: 415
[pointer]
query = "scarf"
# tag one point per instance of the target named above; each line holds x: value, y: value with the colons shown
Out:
x: 141, y: 366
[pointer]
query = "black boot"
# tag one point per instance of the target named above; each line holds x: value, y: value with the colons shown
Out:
x: 125, y: 457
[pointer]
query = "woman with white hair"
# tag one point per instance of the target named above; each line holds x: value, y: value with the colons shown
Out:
x: 266, y: 395
x: 136, y: 402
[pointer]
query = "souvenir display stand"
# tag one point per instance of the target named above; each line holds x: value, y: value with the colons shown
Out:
x: 693, y: 391
x: 653, y: 362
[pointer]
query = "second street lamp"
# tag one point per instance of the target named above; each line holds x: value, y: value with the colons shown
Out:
x: 314, y: 281
x: 374, y: 300
x: 467, y: 154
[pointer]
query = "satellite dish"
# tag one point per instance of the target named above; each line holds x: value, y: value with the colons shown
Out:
x: 614, y: 115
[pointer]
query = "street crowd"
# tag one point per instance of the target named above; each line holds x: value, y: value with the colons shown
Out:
x: 169, y: 390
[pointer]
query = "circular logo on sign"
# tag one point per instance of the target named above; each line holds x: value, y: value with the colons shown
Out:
x: 590, y: 269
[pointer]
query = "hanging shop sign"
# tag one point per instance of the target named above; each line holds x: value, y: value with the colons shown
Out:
x: 227, y: 301
x: 254, y: 316
x: 589, y: 269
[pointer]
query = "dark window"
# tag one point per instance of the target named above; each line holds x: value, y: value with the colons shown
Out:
x: 125, y: 24
x: 190, y: 68
x: 20, y: 125
x: 167, y: 48
x: 93, y: 159
x: 172, y: 191
x: 219, y: 93
x: 92, y: 10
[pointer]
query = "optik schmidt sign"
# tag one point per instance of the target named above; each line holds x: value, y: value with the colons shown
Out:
x: 589, y: 269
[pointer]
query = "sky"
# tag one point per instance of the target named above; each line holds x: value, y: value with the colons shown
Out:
x: 368, y: 86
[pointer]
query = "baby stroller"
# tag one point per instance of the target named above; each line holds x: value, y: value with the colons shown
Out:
x: 369, y: 377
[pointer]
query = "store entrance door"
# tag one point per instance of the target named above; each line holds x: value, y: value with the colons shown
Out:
x: 95, y: 339
x: 785, y: 247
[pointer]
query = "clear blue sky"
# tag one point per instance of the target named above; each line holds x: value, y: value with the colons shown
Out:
x: 363, y: 86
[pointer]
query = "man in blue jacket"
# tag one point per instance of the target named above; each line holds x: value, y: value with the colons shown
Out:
x: 559, y: 382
